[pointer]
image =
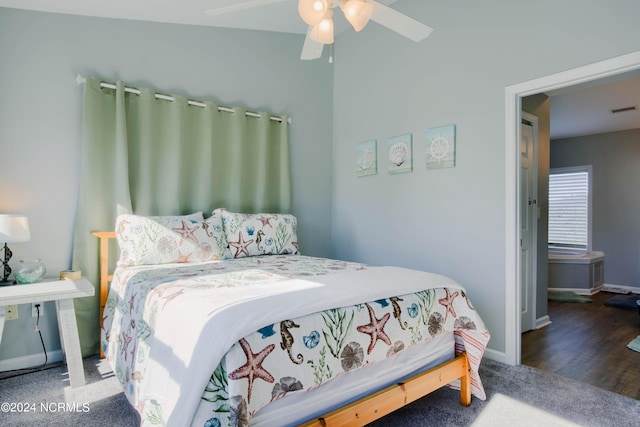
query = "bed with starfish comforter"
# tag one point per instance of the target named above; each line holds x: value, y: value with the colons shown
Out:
x: 211, y: 343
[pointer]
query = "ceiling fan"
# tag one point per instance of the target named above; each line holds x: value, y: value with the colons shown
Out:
x: 318, y: 14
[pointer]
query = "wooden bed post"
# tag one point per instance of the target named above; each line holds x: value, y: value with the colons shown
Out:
x: 105, y: 277
x: 465, y: 383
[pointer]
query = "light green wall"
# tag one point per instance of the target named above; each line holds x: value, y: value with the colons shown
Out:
x: 40, y: 118
x: 451, y: 221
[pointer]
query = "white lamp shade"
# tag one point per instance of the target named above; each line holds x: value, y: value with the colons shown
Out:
x: 323, y: 32
x: 14, y: 228
x: 358, y: 13
x: 312, y: 11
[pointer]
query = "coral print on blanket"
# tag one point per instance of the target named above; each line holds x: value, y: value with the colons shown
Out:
x: 289, y: 356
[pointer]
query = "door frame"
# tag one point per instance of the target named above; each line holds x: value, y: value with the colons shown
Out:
x: 513, y: 117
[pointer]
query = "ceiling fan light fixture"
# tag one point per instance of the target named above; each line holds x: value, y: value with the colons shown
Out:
x: 358, y: 13
x: 323, y: 31
x: 313, y: 11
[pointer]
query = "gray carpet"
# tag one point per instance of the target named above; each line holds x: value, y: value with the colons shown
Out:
x: 522, y: 396
x: 100, y: 402
x: 517, y: 395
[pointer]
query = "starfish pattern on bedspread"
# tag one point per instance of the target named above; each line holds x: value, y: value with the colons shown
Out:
x: 182, y: 257
x: 241, y: 245
x: 253, y: 368
x: 265, y: 221
x: 447, y: 302
x: 132, y: 302
x: 375, y: 328
x: 186, y: 232
x: 126, y: 340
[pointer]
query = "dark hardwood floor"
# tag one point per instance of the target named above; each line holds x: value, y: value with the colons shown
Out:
x: 588, y: 342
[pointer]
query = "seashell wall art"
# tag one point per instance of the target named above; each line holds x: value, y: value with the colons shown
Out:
x: 400, y: 154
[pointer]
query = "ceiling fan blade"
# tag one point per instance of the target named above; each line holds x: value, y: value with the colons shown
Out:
x: 311, y: 49
x: 400, y: 23
x: 235, y: 7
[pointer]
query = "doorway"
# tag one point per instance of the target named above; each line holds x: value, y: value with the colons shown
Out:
x: 513, y: 180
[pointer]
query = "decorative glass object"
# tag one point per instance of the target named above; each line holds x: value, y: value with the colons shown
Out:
x: 30, y: 271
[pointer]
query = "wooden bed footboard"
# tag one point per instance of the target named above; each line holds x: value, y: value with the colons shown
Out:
x: 360, y: 412
x: 375, y: 406
x: 105, y: 276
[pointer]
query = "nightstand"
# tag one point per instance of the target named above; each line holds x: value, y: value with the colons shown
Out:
x: 62, y: 292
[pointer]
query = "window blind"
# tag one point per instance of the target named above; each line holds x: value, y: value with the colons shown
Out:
x: 569, y: 210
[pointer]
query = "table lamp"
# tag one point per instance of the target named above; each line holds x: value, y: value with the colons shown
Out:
x: 13, y: 229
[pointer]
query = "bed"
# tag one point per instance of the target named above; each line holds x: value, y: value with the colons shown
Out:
x: 222, y: 322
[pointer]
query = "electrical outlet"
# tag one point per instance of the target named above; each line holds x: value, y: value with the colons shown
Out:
x: 11, y: 313
x: 34, y: 310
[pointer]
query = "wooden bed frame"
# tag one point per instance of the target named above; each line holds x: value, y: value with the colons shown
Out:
x: 360, y: 412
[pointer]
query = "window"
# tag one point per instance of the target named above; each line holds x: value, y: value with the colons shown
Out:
x: 570, y: 209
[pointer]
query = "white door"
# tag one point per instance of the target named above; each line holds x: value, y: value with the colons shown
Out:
x: 529, y: 220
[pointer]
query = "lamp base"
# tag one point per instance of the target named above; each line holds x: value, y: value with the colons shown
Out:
x: 7, y: 282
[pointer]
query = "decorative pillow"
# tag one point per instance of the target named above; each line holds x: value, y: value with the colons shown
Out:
x: 260, y: 234
x: 215, y: 230
x: 166, y: 239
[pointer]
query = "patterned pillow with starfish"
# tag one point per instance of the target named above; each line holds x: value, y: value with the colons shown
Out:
x: 260, y: 234
x: 168, y: 239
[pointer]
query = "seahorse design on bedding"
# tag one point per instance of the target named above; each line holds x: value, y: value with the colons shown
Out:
x: 287, y: 340
x: 397, y: 311
x: 259, y: 237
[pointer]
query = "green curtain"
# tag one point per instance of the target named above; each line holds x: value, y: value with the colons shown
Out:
x: 153, y: 156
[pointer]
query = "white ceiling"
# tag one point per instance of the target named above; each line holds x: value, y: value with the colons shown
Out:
x: 586, y: 109
x: 580, y: 110
x: 272, y: 15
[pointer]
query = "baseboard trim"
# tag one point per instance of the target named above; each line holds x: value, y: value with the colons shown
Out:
x: 498, y: 356
x: 632, y: 289
x: 543, y: 321
x: 30, y: 361
x: 580, y: 291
